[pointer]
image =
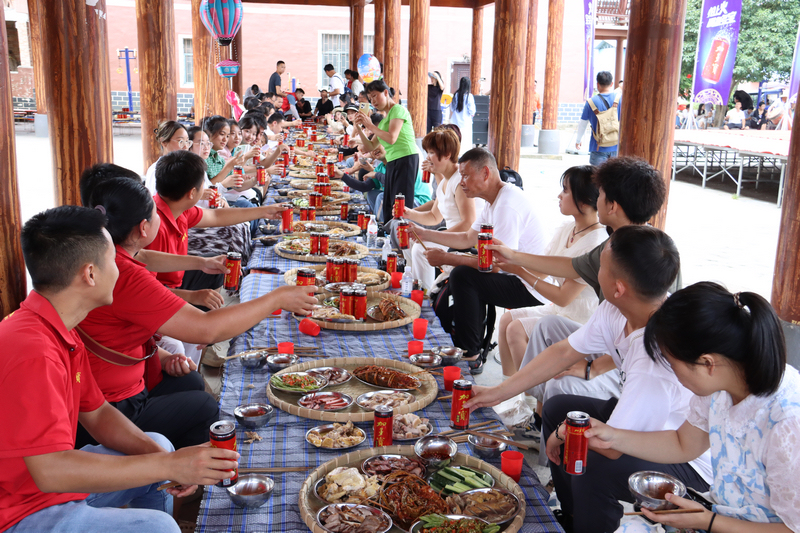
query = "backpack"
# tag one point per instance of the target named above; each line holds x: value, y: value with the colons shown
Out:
x: 511, y: 176
x: 607, y: 133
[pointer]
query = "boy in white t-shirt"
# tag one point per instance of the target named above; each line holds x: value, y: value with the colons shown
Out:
x: 637, y: 267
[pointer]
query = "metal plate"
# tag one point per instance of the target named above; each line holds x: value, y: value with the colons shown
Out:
x: 373, y: 510
x: 413, y: 439
x: 320, y: 380
x: 321, y: 371
x: 367, y: 462
x: 504, y: 491
x: 329, y: 394
x: 323, y: 430
x: 387, y: 388
x: 368, y: 395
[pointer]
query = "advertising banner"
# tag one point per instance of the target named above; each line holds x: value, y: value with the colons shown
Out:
x: 794, y: 84
x: 716, y: 51
x: 588, y: 49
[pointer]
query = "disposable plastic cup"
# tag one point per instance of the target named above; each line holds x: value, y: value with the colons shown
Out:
x: 277, y: 312
x: 417, y: 296
x: 511, y: 464
x: 309, y: 327
x: 286, y: 347
x: 451, y: 373
x: 396, y: 277
x: 420, y: 328
x: 414, y: 347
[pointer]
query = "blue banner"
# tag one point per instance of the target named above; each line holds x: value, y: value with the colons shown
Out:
x: 794, y: 84
x: 588, y: 48
x: 717, y: 41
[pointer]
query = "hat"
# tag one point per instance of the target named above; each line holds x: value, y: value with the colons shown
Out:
x: 324, y: 88
x: 335, y: 109
x: 785, y: 93
x: 350, y: 107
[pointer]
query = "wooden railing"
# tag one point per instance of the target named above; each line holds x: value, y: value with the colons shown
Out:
x: 613, y: 12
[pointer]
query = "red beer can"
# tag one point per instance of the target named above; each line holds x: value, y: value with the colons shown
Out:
x: 361, y: 217
x: 576, y: 446
x: 484, y: 254
x: 383, y: 425
x: 323, y: 243
x: 315, y: 200
x: 320, y: 168
x: 331, y: 168
x: 286, y: 158
x: 360, y: 305
x: 261, y: 175
x: 301, y: 143
x: 391, y: 262
x: 352, y: 270
x: 328, y: 189
x: 426, y: 176
x: 459, y: 415
x: 238, y: 170
x: 286, y: 221
x: 346, y: 300
x: 315, y: 244
x: 399, y: 206
x: 341, y: 157
x: 338, y: 269
x: 345, y: 211
x: 223, y: 436
x: 345, y: 141
x: 312, y: 213
x: 329, y: 269
x: 234, y: 264
x: 487, y: 228
x: 213, y: 202
x: 303, y: 214
x: 306, y: 277
x: 294, y: 158
x: 402, y: 234
x: 256, y: 160
x: 318, y: 187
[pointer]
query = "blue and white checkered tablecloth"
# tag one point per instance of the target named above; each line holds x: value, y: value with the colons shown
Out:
x: 284, y: 442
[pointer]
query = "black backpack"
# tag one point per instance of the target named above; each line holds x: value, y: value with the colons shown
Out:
x: 511, y: 176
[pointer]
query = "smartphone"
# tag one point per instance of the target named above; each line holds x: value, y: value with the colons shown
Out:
x: 364, y: 108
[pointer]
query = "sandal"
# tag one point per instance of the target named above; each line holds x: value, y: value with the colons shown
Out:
x: 476, y: 366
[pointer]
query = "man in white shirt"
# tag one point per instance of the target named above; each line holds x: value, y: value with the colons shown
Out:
x: 337, y: 84
x: 515, y: 225
x: 637, y: 266
x: 734, y: 119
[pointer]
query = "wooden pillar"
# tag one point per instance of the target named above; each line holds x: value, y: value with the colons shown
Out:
x: 237, y: 82
x: 391, y: 60
x: 620, y: 61
x: 508, y: 84
x: 37, y: 58
x: 209, y: 87
x: 418, y: 43
x: 75, y: 48
x: 155, y: 22
x: 647, y: 126
x: 356, y: 31
x: 552, y: 69
x: 476, y: 57
x: 12, y: 266
x: 786, y: 281
x: 380, y: 29
x: 529, y: 104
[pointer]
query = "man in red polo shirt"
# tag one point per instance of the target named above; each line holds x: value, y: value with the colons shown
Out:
x: 46, y: 387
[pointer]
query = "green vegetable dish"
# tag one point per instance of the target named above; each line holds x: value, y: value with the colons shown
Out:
x: 455, y: 480
x: 436, y: 523
x: 295, y: 382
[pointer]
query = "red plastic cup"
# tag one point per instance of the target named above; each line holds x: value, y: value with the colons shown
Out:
x: 309, y: 327
x: 511, y: 464
x: 286, y: 220
x: 417, y: 296
x: 286, y: 347
x: 277, y: 312
x: 451, y: 373
x: 420, y: 328
x: 414, y: 347
x: 396, y: 277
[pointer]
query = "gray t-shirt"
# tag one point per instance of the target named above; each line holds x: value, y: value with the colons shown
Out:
x: 275, y: 82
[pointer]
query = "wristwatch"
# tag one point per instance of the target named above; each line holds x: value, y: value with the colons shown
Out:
x: 588, y: 370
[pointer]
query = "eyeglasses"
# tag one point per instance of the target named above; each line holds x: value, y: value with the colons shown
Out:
x: 185, y: 143
x: 205, y: 144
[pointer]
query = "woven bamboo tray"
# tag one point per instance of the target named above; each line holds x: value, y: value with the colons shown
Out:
x: 290, y: 277
x: 310, y: 504
x: 288, y: 402
x: 327, y: 209
x: 361, y: 252
x: 412, y: 309
x: 351, y: 230
x: 336, y: 185
x: 336, y: 197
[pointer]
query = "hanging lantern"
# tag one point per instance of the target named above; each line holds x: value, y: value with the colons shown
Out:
x: 222, y: 18
x: 227, y: 68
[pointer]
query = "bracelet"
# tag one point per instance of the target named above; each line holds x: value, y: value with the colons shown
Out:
x: 562, y: 440
x: 713, y: 516
x: 588, y: 370
x: 538, y: 279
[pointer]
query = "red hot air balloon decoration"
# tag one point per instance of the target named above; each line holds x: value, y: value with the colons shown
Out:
x: 223, y: 18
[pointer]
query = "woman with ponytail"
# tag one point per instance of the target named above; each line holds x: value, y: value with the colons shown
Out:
x: 729, y: 350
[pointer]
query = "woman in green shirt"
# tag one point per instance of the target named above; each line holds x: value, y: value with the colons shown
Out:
x: 396, y: 134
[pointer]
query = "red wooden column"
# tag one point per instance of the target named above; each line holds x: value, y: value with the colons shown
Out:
x: 508, y: 84
x: 620, y: 61
x: 380, y: 29
x: 356, y: 31
x: 648, y: 109
x: 476, y: 57
x: 549, y: 137
x: 391, y: 59
x: 237, y: 82
x: 75, y: 47
x: 530, y: 64
x: 12, y: 266
x: 155, y: 22
x: 38, y: 58
x: 418, y: 43
x: 209, y: 87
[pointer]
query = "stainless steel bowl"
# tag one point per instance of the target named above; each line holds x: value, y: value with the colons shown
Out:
x: 425, y: 360
x: 649, y: 488
x: 252, y: 490
x: 450, y: 354
x: 416, y: 527
x: 254, y: 360
x: 436, y: 443
x: 504, y: 491
x: 377, y: 512
x: 250, y: 415
x: 269, y: 229
x: 278, y: 361
x: 486, y: 448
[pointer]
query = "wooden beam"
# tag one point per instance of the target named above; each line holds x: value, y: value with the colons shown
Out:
x: 508, y: 72
x: 601, y: 33
x: 380, y: 29
x: 647, y: 125
x: 418, y: 44
x: 75, y: 49
x: 237, y: 82
x: 37, y: 58
x: 155, y: 22
x: 356, y: 32
x: 620, y: 63
x: 476, y: 56
x: 529, y: 104
x: 552, y: 69
x: 391, y: 60
x: 12, y: 265
x: 209, y: 87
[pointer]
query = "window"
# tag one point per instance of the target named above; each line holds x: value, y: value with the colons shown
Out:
x: 335, y: 49
x: 186, y: 62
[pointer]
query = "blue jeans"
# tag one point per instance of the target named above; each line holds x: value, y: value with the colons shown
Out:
x: 595, y: 158
x: 244, y: 202
x: 375, y: 201
x: 148, y: 509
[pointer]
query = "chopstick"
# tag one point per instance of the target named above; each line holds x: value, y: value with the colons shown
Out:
x: 169, y: 485
x: 668, y: 511
x: 449, y: 397
x: 269, y: 470
x: 417, y: 237
x: 474, y: 426
x: 488, y: 436
x: 487, y: 428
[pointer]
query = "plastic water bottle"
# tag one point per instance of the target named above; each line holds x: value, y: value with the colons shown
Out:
x: 387, y: 247
x: 407, y: 283
x: 372, y: 232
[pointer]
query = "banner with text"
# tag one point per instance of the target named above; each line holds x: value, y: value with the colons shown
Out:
x: 717, y: 41
x: 588, y: 49
x: 794, y: 84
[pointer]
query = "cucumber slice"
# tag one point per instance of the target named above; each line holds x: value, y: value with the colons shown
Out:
x: 475, y: 482
x: 448, y: 476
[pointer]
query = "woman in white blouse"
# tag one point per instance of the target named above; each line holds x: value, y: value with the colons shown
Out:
x: 462, y: 109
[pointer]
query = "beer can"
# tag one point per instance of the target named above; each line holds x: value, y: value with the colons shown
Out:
x: 399, y: 206
x: 286, y: 158
x: 352, y: 270
x: 484, y: 254
x: 329, y: 269
x: 346, y: 188
x: 213, y: 202
x: 361, y: 217
x: 345, y: 212
x: 459, y: 415
x: 301, y: 143
x: 346, y: 300
x: 323, y: 243
x: 360, y: 304
x: 331, y: 168
x: 328, y: 189
x: 391, y: 262
x: 294, y: 158
x: 312, y: 213
x: 382, y: 427
x: 341, y: 157
x: 345, y: 141
x: 261, y: 175
x: 256, y: 160
x: 238, y: 170
x: 318, y: 187
x: 315, y: 244
x: 303, y: 214
x: 402, y: 234
x: 317, y: 200
x: 306, y: 277
x: 338, y: 270
x: 222, y: 435
x: 314, y: 136
x: 576, y: 446
x: 487, y: 228
x: 426, y: 176
x: 319, y: 168
x: 234, y: 264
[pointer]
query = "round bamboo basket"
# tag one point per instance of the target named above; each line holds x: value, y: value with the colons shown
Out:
x: 336, y: 185
x: 290, y: 277
x: 412, y: 309
x: 361, y: 252
x: 337, y: 197
x: 310, y: 504
x: 288, y: 402
x: 350, y: 230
